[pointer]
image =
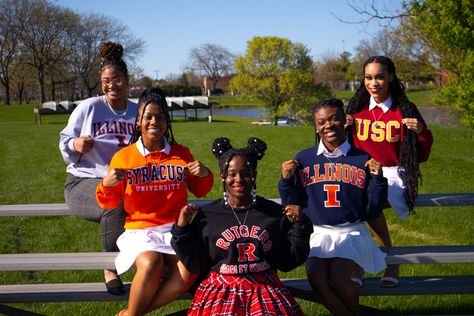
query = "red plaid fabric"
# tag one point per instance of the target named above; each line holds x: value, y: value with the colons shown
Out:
x: 256, y: 294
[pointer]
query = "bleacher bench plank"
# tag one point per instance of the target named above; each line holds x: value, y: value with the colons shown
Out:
x: 61, y: 292
x: 57, y: 261
x: 417, y: 285
x: 300, y: 288
x: 105, y: 260
x: 53, y: 209
x: 430, y: 254
x: 61, y: 209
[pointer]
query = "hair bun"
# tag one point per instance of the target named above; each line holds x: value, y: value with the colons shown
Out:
x: 220, y: 146
x: 257, y: 146
x: 111, y: 50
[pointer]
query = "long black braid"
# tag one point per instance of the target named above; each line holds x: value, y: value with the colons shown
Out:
x: 408, y: 155
x: 157, y: 96
x: 224, y: 152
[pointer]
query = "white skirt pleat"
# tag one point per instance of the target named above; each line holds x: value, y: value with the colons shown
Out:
x: 350, y: 241
x: 133, y: 242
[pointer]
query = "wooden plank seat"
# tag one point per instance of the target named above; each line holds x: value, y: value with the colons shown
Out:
x: 61, y: 209
x: 105, y: 260
x: 300, y: 288
x: 62, y: 292
x: 417, y: 285
x: 58, y: 292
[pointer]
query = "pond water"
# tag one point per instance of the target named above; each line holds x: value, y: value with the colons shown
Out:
x: 436, y: 115
x: 252, y: 112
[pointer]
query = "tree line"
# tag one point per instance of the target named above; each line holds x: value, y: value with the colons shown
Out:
x: 54, y: 50
x: 430, y: 41
x: 44, y: 46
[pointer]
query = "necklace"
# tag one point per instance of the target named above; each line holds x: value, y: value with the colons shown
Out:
x: 377, y: 125
x: 117, y: 112
x: 237, y: 218
x: 332, y: 166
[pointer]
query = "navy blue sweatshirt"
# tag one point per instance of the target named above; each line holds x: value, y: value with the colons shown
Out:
x: 338, y: 193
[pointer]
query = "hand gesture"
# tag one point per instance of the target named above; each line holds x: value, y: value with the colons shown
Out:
x: 293, y: 212
x: 349, y: 120
x: 83, y: 144
x: 198, y: 169
x: 413, y: 124
x: 375, y: 167
x: 114, y: 177
x: 288, y: 168
x: 187, y: 214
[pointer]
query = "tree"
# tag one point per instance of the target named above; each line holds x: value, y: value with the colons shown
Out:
x: 212, y: 60
x: 57, y: 44
x: 333, y: 71
x: 446, y: 26
x: 23, y: 84
x: 444, y: 29
x: 415, y: 65
x: 278, y: 72
x: 9, y: 45
x: 92, y: 30
x: 44, y: 36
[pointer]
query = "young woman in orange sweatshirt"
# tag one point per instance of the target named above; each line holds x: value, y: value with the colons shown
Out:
x: 151, y: 176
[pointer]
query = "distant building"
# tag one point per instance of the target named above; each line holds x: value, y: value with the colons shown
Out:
x: 222, y: 84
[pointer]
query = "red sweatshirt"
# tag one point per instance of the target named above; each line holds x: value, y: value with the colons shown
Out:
x: 381, y: 134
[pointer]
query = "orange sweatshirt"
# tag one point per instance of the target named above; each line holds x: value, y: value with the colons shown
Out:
x: 155, y: 187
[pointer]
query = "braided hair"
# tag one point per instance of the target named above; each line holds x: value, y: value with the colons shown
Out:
x: 408, y: 155
x: 224, y: 152
x: 112, y: 56
x: 156, y: 96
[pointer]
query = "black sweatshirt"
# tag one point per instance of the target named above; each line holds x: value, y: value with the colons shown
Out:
x: 214, y: 241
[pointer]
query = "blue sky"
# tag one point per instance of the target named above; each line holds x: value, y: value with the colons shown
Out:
x: 171, y: 28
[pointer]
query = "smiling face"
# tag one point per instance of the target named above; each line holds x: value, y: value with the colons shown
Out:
x: 329, y: 124
x: 153, y: 125
x: 238, y: 182
x: 114, y: 86
x: 377, y: 80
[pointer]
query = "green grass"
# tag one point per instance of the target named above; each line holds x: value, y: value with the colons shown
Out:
x: 32, y: 171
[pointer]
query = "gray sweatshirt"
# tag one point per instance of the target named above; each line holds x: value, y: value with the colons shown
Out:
x: 109, y: 130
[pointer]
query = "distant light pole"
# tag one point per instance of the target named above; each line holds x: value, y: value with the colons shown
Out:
x: 156, y: 71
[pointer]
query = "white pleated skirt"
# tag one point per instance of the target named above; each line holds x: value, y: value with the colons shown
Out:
x: 133, y: 242
x: 350, y: 241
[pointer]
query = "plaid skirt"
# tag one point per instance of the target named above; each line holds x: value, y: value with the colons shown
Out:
x: 255, y: 294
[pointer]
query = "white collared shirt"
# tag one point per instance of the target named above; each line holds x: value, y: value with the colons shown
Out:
x: 385, y: 105
x: 339, y: 151
x: 145, y: 152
